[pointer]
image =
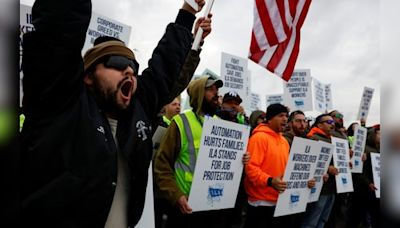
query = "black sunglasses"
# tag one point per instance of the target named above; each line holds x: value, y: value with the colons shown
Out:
x: 328, y: 121
x: 121, y: 63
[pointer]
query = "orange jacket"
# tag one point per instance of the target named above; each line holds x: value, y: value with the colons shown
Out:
x: 269, y: 154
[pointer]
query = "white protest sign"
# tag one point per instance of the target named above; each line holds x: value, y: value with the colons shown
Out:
x: 376, y: 172
x: 319, y: 96
x: 234, y: 74
x: 25, y: 26
x: 247, y: 103
x: 147, y: 219
x: 103, y: 26
x: 328, y: 97
x: 365, y: 103
x: 274, y: 99
x: 360, y: 137
x: 324, y: 158
x: 255, y: 102
x: 299, y: 170
x: 219, y: 165
x: 298, y: 92
x: 341, y: 160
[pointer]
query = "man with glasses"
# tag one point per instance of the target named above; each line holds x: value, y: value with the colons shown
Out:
x: 296, y: 126
x: 338, y: 120
x: 86, y: 141
x: 317, y: 213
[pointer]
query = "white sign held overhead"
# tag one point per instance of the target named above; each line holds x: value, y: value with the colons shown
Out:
x: 299, y: 170
x: 360, y: 137
x: 234, y: 74
x: 365, y: 103
x: 319, y: 96
x: 341, y: 160
x: 103, y: 26
x: 328, y: 97
x: 274, y: 99
x: 298, y: 91
x: 324, y: 159
x: 376, y: 172
x: 219, y: 165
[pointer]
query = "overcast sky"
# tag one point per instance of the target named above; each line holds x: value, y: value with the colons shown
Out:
x: 339, y: 43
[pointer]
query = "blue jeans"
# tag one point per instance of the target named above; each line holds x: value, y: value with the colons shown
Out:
x: 317, y: 213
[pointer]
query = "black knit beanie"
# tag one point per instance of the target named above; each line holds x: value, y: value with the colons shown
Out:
x: 275, y: 109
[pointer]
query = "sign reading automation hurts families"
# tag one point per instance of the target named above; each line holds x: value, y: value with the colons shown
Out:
x: 219, y: 165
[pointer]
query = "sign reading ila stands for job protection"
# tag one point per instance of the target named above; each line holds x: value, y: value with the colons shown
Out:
x: 360, y: 137
x: 341, y: 160
x: 299, y: 170
x: 365, y: 103
x: 298, y: 91
x: 376, y: 172
x: 219, y: 165
x: 324, y: 159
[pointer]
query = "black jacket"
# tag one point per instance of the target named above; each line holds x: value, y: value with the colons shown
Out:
x: 69, y: 163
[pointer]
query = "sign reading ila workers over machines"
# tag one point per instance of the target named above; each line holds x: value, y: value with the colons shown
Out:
x: 219, y: 165
x: 341, y: 160
x: 299, y: 170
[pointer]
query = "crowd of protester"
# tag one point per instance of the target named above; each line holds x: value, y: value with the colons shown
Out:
x: 95, y: 173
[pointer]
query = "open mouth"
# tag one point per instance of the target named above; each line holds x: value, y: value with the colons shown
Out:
x: 126, y: 89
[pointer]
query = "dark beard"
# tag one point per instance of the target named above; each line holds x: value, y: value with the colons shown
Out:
x: 209, y: 108
x: 106, y: 98
x: 338, y: 125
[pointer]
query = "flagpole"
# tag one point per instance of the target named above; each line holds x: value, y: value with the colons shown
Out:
x: 199, y: 34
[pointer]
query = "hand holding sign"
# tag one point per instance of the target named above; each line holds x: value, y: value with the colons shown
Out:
x: 278, y: 184
x: 203, y: 23
x: 311, y: 183
x: 372, y: 187
x: 199, y: 34
x: 332, y: 170
x: 183, y: 205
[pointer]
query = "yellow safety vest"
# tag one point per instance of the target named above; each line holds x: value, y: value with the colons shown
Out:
x: 190, y: 129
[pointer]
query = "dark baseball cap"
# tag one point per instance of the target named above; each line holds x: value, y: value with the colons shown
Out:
x: 232, y: 96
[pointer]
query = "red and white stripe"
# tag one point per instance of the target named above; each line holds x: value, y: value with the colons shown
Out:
x: 275, y: 44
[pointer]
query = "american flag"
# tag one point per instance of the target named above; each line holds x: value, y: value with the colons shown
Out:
x: 275, y: 38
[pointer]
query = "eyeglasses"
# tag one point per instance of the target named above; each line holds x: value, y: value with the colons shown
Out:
x: 328, y: 121
x: 121, y: 63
